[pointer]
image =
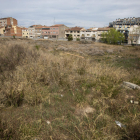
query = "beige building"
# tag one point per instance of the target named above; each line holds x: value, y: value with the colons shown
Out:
x: 74, y: 31
x: 134, y: 35
x: 25, y: 33
x: 100, y: 31
x: 2, y: 29
x: 88, y: 34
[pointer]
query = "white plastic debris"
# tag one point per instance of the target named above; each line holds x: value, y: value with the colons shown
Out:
x: 134, y: 102
x: 62, y: 95
x: 131, y: 85
x: 120, y: 124
x: 48, y: 122
x: 131, y: 101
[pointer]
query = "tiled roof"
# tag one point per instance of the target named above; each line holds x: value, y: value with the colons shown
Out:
x: 24, y: 28
x: 74, y: 29
x: 40, y: 27
x: 103, y: 29
x: 57, y: 25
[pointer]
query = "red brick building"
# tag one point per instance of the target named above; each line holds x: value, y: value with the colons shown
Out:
x: 8, y: 21
x: 13, y: 30
x: 55, y: 31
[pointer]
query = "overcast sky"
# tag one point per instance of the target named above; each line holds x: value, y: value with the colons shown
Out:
x: 84, y: 13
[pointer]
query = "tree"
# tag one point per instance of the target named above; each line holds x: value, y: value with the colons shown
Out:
x: 70, y: 38
x: 112, y: 37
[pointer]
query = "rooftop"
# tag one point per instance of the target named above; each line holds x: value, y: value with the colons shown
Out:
x: 103, y: 29
x: 74, y: 29
x: 57, y: 25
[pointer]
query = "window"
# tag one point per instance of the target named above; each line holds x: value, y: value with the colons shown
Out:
x: 53, y: 28
x: 46, y: 32
x: 77, y: 31
x: 54, y: 32
x: 27, y: 33
x: 87, y: 34
x: 23, y: 33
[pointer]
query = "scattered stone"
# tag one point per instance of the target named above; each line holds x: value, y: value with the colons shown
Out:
x: 48, y: 122
x: 85, y: 110
x: 109, y: 51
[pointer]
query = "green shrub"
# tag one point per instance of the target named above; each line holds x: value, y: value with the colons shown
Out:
x: 70, y: 38
x: 14, y: 36
x: 37, y: 47
x: 77, y: 39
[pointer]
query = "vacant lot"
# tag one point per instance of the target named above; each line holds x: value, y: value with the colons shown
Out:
x: 68, y: 90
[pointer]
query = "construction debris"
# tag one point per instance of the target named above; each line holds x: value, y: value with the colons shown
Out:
x: 120, y: 124
x: 131, y: 85
x: 134, y: 102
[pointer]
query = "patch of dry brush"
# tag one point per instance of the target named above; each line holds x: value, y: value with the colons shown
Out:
x: 29, y: 75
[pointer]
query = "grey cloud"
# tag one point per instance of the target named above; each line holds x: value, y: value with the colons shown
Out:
x: 74, y: 12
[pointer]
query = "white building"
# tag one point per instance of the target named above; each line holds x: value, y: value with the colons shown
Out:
x: 134, y: 35
x: 89, y: 34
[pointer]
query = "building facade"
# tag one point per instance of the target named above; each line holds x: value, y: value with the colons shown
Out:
x: 124, y: 25
x: 89, y: 34
x: 2, y: 30
x: 56, y: 31
x: 74, y: 31
x: 25, y: 33
x: 134, y: 35
x: 8, y: 21
x: 13, y: 31
x: 31, y: 31
x: 100, y: 31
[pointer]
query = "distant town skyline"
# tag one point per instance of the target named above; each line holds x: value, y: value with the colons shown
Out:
x: 83, y: 13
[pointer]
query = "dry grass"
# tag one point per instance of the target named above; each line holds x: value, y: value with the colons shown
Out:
x: 81, y: 97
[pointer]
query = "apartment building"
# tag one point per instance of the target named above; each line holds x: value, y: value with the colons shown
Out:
x: 8, y: 21
x: 134, y: 35
x: 74, y: 31
x: 100, y: 31
x: 25, y: 33
x: 89, y: 34
x: 38, y: 31
x: 31, y: 31
x: 46, y: 32
x: 56, y: 31
x: 124, y: 25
